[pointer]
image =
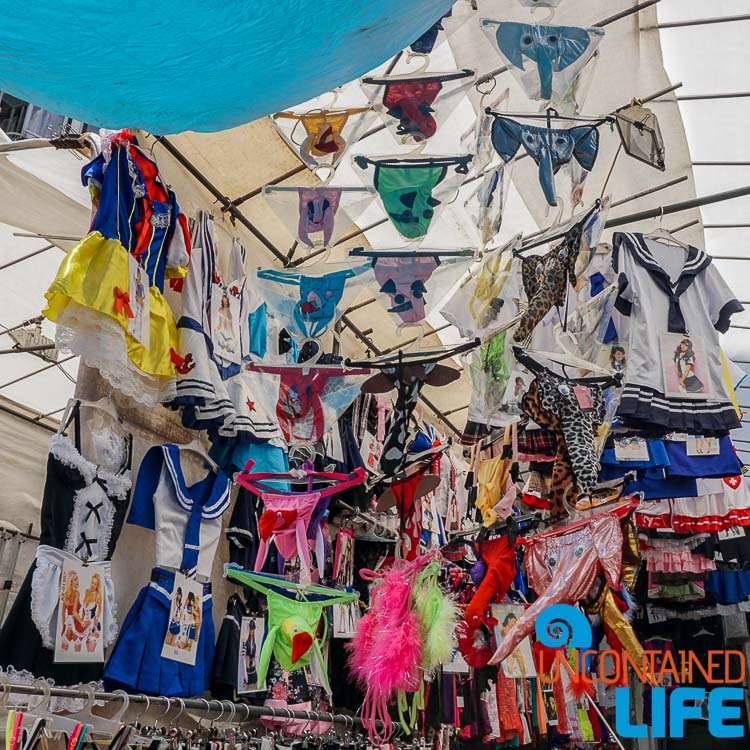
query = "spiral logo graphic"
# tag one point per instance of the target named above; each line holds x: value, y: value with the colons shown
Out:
x: 563, y: 625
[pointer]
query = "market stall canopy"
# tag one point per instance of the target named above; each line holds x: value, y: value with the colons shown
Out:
x: 188, y: 65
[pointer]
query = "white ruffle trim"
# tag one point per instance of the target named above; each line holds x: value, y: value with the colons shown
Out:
x: 63, y: 449
x: 45, y: 595
x: 101, y: 344
x: 24, y: 677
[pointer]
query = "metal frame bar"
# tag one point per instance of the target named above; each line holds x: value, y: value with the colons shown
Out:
x: 26, y: 257
x: 27, y: 349
x: 242, y: 711
x: 23, y: 324
x: 697, y: 22
x: 36, y: 372
x: 720, y: 163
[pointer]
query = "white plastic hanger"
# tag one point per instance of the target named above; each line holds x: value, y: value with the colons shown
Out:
x: 660, y: 234
x: 104, y: 404
x: 196, y: 446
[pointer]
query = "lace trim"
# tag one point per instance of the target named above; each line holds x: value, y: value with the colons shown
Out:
x: 38, y: 617
x: 63, y: 449
x: 101, y: 344
x: 24, y: 677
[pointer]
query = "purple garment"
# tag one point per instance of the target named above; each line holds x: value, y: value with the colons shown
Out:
x: 404, y: 280
x: 317, y: 211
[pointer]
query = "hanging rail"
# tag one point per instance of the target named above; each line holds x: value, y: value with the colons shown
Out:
x: 653, y: 213
x: 243, y: 711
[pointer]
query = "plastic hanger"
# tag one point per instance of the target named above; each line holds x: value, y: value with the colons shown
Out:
x: 196, y: 446
x: 99, y: 725
x: 104, y: 404
x: 660, y: 234
x: 55, y: 722
x: 567, y: 359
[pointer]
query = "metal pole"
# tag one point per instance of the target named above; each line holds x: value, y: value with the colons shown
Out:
x: 8, y: 582
x: 697, y: 22
x: 36, y: 235
x: 721, y: 163
x: 649, y: 191
x: 674, y: 208
x: 243, y: 711
x: 26, y: 418
x: 702, y: 97
x: 726, y: 226
x: 653, y: 213
x: 26, y: 257
x: 36, y: 372
x: 29, y: 349
x: 360, y: 305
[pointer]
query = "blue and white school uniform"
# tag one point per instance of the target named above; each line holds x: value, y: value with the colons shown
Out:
x: 666, y: 289
x: 187, y: 521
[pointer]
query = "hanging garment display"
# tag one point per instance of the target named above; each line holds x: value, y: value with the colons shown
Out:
x: 414, y: 190
x: 546, y: 277
x: 320, y: 215
x: 83, y: 509
x: 574, y: 410
x: 412, y: 106
x: 213, y: 343
x: 563, y: 568
x: 325, y: 134
x: 411, y: 284
x: 499, y: 560
x: 385, y: 654
x: 288, y: 516
x: 310, y: 300
x: 677, y: 303
x: 107, y: 298
x: 187, y: 522
x: 407, y: 372
x: 640, y: 135
x: 545, y: 60
x: 307, y: 401
x: 294, y: 614
x: 550, y: 148
x: 489, y: 200
x: 482, y: 302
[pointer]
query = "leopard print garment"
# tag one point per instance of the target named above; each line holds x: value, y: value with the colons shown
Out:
x: 576, y: 430
x: 562, y: 485
x: 545, y: 280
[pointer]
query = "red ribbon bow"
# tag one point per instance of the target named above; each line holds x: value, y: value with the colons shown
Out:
x: 122, y: 303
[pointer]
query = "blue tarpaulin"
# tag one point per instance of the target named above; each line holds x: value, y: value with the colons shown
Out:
x: 181, y: 65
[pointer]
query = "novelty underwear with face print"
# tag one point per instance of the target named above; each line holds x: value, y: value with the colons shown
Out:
x: 546, y: 60
x: 551, y: 148
x: 317, y: 208
x: 407, y: 101
x: 411, y: 283
x: 309, y: 303
x: 409, y: 190
x: 324, y: 141
x: 294, y: 615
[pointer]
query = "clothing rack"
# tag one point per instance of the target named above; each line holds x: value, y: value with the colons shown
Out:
x: 238, y: 712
